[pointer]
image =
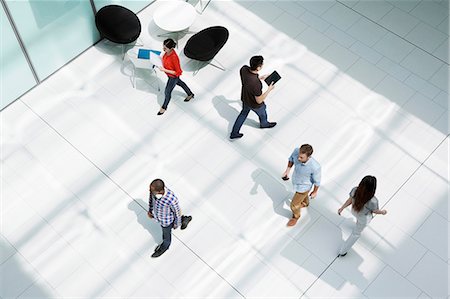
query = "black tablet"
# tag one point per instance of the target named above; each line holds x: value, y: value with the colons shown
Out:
x: 274, y: 77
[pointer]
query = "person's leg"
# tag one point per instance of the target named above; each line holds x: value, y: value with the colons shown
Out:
x: 361, y: 223
x: 185, y: 88
x: 167, y: 237
x: 240, y: 120
x: 296, y: 205
x: 262, y: 114
x: 171, y: 82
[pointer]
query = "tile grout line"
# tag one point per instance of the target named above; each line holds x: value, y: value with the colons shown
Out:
x: 404, y: 39
x: 123, y: 190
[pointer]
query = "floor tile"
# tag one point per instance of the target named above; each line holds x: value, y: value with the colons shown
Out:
x: 374, y: 10
x: 433, y: 233
x: 430, y: 266
x: 339, y: 56
x: 365, y: 30
x: 340, y: 36
x: 340, y: 16
x: 7, y: 250
x: 443, y: 26
x: 390, y: 284
x: 442, y: 51
x: 289, y: 25
x: 406, y: 6
x: 429, y: 12
x: 17, y: 276
x: 418, y: 104
x: 314, y: 40
x: 317, y: 8
x: 426, y: 37
x: 422, y: 86
x: 292, y: 7
x: 315, y: 22
x: 40, y: 289
x: 365, y: 71
x: 394, y: 90
x: 360, y: 267
x: 393, y: 69
x: 329, y: 247
x: 421, y: 63
x: 399, y: 251
x: 440, y: 78
x: 399, y: 22
x: 393, y: 47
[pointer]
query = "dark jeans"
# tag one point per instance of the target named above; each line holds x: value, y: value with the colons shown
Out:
x: 171, y: 82
x: 261, y: 112
x: 167, y: 236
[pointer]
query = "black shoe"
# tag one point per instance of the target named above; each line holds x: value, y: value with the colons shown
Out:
x: 270, y: 125
x: 160, y: 113
x: 185, y: 221
x: 342, y: 255
x: 239, y: 135
x: 189, y: 97
x: 158, y: 252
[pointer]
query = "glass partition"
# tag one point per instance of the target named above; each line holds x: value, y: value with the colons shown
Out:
x: 15, y: 73
x: 53, y: 32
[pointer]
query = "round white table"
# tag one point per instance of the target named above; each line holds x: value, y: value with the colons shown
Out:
x: 174, y: 16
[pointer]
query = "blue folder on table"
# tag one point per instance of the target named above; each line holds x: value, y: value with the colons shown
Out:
x: 145, y: 53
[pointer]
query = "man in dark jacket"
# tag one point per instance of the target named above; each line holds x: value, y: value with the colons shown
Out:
x: 252, y: 96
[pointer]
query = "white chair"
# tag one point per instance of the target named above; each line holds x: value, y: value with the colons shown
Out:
x: 139, y: 63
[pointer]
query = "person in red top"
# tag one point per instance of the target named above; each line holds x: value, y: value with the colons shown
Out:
x: 171, y: 66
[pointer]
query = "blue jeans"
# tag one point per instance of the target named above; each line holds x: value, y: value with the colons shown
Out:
x: 261, y: 112
x: 171, y: 82
x: 167, y: 236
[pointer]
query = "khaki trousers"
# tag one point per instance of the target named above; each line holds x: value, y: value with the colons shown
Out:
x: 299, y: 201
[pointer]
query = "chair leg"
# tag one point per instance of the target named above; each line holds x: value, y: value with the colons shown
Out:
x: 134, y: 77
x: 219, y: 66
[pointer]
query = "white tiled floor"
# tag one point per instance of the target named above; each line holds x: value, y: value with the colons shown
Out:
x: 364, y: 82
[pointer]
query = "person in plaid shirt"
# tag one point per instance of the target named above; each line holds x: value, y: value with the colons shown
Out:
x: 165, y: 209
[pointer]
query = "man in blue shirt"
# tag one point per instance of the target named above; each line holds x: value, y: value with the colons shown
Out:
x: 165, y: 209
x: 307, y: 173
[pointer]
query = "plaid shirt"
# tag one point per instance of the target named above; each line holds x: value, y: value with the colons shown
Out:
x: 166, y: 209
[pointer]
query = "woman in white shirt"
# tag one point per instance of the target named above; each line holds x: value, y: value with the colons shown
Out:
x: 364, y: 205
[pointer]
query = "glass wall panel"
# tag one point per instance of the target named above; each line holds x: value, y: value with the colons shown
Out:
x: 54, y: 32
x: 15, y: 74
x: 133, y: 5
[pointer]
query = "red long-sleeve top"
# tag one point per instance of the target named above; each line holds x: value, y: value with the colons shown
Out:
x: 172, y: 62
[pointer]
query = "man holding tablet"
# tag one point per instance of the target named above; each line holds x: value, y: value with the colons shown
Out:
x: 252, y: 96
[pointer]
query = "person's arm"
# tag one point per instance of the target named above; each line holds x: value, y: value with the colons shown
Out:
x: 150, y: 206
x: 346, y: 204
x: 378, y: 211
x: 316, y: 177
x: 260, y: 99
x: 313, y: 194
x: 264, y: 77
x: 289, y: 165
x: 288, y: 169
x: 175, y: 207
x: 167, y: 71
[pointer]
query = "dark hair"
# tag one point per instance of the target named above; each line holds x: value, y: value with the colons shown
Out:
x: 256, y: 61
x: 364, y: 192
x: 306, y: 149
x: 169, y: 43
x: 158, y: 184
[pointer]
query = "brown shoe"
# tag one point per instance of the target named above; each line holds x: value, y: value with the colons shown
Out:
x: 292, y: 222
